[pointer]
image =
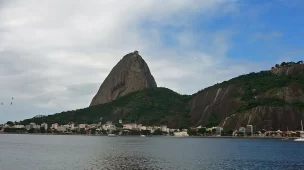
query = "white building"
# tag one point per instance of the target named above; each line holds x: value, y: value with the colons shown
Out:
x: 242, y: 129
x: 55, y: 126
x: 164, y: 128
x: 45, y: 125
x: 82, y: 126
x: 19, y: 126
x: 109, y: 126
x: 181, y: 134
x: 143, y: 128
x: 34, y: 126
x: 249, y: 129
x: 62, y: 128
x: 218, y: 131
x: 172, y: 130
x: 131, y: 126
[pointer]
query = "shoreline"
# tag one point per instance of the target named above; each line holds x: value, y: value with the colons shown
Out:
x: 219, y: 137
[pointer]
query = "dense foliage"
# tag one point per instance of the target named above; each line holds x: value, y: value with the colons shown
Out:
x: 255, y: 84
x: 163, y: 106
x: 149, y: 107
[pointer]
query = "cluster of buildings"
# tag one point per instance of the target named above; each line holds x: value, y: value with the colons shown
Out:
x: 72, y: 127
x: 109, y: 127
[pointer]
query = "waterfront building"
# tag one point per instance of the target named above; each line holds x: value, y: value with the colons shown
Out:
x: 34, y: 126
x: 45, y: 125
x: 132, y: 126
x: 198, y: 127
x: 242, y: 129
x: 62, y: 128
x: 143, y: 128
x: 164, y: 128
x: 218, y: 131
x: 181, y: 134
x: 19, y: 126
x: 54, y: 126
x: 249, y: 129
x: 127, y: 126
x: 172, y: 130
x: 109, y: 126
x: 80, y: 126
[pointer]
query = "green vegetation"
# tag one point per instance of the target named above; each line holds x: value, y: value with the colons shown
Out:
x: 163, y: 106
x: 255, y: 84
x: 150, y: 107
x: 212, y: 121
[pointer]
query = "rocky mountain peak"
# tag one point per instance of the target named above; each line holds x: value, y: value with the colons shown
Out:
x: 130, y: 74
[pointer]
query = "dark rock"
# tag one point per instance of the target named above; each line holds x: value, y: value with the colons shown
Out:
x: 130, y: 74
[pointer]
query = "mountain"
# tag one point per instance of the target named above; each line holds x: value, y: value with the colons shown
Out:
x: 130, y: 74
x: 152, y: 106
x: 272, y: 99
x: 268, y: 100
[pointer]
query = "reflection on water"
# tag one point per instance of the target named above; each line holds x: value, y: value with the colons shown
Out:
x: 35, y: 152
x: 127, y: 162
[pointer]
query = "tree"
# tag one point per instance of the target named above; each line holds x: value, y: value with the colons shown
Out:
x: 229, y: 132
x: 213, y: 131
x: 10, y: 123
x: 93, y: 131
x: 104, y: 132
x: 82, y: 131
x: 157, y: 132
x: 192, y: 132
x: 49, y: 130
x: 32, y: 130
x: 146, y: 132
x: 277, y: 65
x: 202, y: 131
x: 249, y: 134
x: 240, y: 133
x: 283, y: 64
x: 119, y: 125
x: 42, y: 130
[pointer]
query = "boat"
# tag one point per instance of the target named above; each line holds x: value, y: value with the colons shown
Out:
x: 301, y: 139
x: 142, y: 135
x: 112, y: 135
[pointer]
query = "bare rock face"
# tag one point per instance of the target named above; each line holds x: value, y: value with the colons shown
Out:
x: 130, y: 74
x: 296, y: 69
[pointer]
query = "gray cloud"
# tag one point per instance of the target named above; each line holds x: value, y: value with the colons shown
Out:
x: 55, y: 54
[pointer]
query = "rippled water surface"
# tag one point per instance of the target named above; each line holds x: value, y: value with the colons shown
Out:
x: 51, y: 152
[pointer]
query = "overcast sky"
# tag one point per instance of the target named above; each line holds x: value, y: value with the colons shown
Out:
x: 54, y: 54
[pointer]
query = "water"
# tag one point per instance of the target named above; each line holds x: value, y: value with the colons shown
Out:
x: 51, y: 152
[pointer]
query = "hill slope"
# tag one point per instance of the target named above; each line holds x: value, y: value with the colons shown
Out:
x: 265, y: 99
x: 150, y: 107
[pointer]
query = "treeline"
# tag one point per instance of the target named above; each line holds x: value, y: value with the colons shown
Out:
x: 149, y: 107
x: 287, y: 64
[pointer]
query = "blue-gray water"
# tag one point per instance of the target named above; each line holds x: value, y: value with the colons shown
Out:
x: 51, y: 152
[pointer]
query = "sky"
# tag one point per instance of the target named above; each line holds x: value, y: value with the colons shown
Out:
x: 55, y: 54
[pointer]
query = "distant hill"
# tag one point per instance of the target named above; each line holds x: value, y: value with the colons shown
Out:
x: 271, y: 99
x: 266, y: 100
x: 150, y: 107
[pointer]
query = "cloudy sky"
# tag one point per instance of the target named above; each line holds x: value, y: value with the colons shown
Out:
x: 54, y: 54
